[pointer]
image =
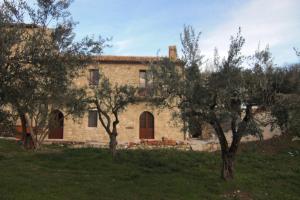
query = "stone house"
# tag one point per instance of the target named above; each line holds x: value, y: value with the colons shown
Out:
x: 137, y: 123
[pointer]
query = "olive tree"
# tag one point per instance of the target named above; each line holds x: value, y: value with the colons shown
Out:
x: 111, y: 100
x: 224, y: 95
x: 39, y: 60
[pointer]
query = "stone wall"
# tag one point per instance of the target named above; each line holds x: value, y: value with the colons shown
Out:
x: 128, y: 127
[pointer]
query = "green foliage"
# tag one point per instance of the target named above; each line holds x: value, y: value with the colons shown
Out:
x: 190, y: 46
x: 294, y: 122
x: 110, y: 100
x: 7, y: 123
x: 286, y: 110
x: 40, y: 59
x: 198, y: 94
x: 224, y: 96
x: 113, y: 97
x: 284, y: 82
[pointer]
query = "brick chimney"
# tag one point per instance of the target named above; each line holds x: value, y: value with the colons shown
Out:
x: 172, y: 53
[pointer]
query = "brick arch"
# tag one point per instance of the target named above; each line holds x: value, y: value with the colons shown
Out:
x: 146, y: 125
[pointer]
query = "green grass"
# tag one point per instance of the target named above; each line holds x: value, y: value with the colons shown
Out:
x: 263, y: 171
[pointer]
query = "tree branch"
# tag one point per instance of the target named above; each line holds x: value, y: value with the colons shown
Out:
x: 100, y: 113
x: 237, y: 135
x: 219, y: 131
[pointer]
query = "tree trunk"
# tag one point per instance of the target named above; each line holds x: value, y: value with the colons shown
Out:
x: 113, y: 144
x: 32, y: 136
x: 227, y: 171
x: 228, y: 156
x: 25, y: 137
x: 113, y: 141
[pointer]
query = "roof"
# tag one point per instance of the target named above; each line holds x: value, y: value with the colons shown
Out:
x: 129, y: 59
x: 21, y: 25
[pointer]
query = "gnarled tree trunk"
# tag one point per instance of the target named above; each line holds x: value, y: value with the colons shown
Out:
x: 227, y: 170
x: 113, y: 140
x: 229, y: 153
x: 113, y: 144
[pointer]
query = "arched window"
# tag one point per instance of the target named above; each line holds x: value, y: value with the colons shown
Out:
x: 146, y: 125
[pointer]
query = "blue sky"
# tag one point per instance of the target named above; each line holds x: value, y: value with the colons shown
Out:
x: 144, y: 27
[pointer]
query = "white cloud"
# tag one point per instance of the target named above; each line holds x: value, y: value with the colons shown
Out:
x: 121, y: 47
x: 273, y: 22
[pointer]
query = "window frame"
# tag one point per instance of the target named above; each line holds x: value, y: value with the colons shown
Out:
x: 92, y: 80
x: 94, y: 123
x: 143, y: 89
x: 144, y: 72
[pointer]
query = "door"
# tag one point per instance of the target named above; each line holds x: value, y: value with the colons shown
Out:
x: 146, y: 126
x: 56, y: 125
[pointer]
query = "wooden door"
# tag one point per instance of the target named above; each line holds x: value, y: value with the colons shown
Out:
x: 56, y: 125
x: 146, y: 126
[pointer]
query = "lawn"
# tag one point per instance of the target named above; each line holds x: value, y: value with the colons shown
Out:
x: 268, y: 170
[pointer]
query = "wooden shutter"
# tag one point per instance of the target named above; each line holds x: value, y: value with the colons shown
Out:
x: 93, y: 118
x: 94, y: 77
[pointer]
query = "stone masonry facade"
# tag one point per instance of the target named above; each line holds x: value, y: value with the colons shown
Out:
x: 122, y: 70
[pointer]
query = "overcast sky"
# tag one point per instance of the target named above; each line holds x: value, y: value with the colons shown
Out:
x: 142, y: 27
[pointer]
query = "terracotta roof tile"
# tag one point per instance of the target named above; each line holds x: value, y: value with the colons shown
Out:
x: 128, y: 59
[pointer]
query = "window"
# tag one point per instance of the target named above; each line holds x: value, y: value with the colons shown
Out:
x: 93, y: 76
x: 149, y: 78
x: 146, y: 81
x: 142, y: 78
x: 93, y: 118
